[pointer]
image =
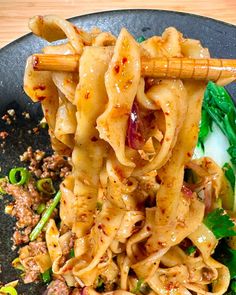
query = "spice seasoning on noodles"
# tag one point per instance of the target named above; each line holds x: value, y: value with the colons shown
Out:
x: 135, y: 212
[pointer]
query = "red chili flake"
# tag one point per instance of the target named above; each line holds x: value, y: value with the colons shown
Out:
x: 99, y: 226
x: 41, y: 87
x: 41, y: 98
x: 119, y: 172
x: 124, y: 60
x: 117, y: 68
x: 94, y: 138
x: 86, y: 96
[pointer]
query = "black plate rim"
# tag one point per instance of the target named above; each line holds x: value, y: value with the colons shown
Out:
x: 102, y: 12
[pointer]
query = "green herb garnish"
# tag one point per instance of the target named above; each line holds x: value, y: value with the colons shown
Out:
x: 220, y: 223
x: 45, y: 185
x: 19, y: 176
x: 72, y: 253
x: 100, y: 284
x: 46, y: 276
x: 138, y: 286
x: 45, y: 217
x: 41, y: 207
x: 8, y: 290
x: 17, y: 264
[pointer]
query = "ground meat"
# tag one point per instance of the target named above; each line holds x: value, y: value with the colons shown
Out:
x: 57, y: 287
x: 21, y: 237
x: 26, y: 255
x: 54, y: 166
x: 67, y: 245
x: 26, y: 200
x: 207, y: 274
x: 32, y: 272
x: 37, y: 248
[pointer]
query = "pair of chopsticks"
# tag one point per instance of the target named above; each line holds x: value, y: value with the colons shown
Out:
x: 183, y: 68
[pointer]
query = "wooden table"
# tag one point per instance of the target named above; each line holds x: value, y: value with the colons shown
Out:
x: 14, y: 14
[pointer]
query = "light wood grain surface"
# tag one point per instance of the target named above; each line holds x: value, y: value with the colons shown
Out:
x: 14, y: 14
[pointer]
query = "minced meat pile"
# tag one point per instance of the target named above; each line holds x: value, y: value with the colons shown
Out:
x: 27, y: 198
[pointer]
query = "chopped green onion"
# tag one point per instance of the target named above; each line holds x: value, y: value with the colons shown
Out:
x: 45, y: 185
x: 190, y: 250
x: 41, y: 207
x: 138, y: 286
x: 8, y: 290
x: 140, y: 39
x: 43, y: 125
x: 19, y: 176
x: 17, y: 264
x: 72, y: 253
x: 45, y: 217
x: 100, y: 285
x: 2, y: 180
x: 46, y: 276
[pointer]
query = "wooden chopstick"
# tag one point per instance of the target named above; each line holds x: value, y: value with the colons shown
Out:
x: 183, y: 68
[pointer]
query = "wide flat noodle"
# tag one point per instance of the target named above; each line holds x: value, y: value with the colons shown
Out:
x: 121, y: 81
x: 89, y: 151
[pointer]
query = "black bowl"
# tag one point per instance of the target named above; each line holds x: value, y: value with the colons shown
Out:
x: 219, y: 37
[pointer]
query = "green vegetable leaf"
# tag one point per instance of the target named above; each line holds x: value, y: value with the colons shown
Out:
x: 229, y: 174
x: 221, y: 109
x: 233, y: 286
x: 205, y: 127
x: 220, y: 223
x: 232, y: 152
x: 227, y: 256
